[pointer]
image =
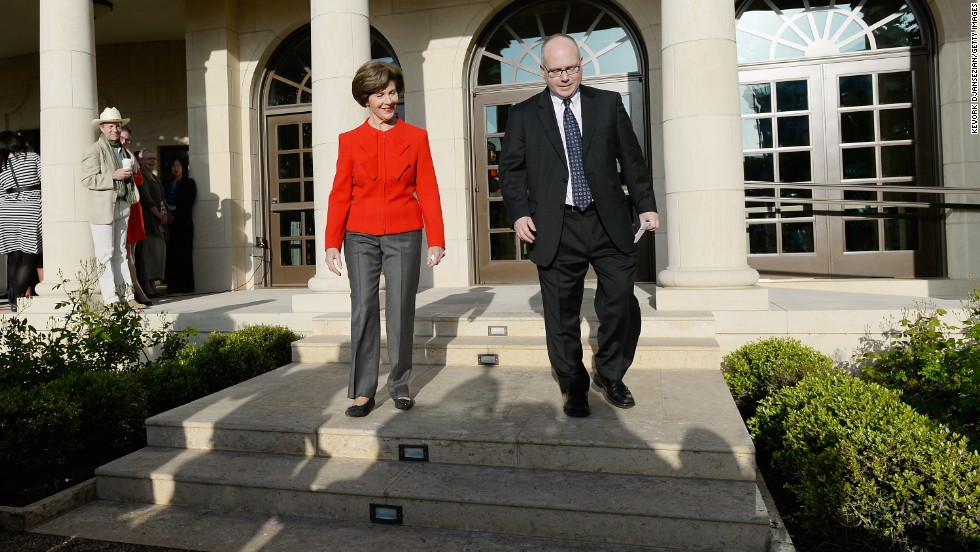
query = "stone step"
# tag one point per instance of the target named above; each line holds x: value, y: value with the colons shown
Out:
x: 701, y: 514
x: 206, y: 529
x: 526, y: 324
x: 684, y: 424
x: 689, y: 352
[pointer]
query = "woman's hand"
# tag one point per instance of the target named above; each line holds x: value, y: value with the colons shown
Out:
x: 436, y: 254
x: 334, y: 262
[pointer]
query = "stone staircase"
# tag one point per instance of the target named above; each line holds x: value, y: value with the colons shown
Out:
x: 486, y: 448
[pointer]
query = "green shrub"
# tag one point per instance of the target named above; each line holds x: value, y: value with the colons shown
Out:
x: 169, y: 384
x: 758, y: 369
x: 77, y: 397
x: 112, y: 409
x: 88, y: 336
x: 222, y: 361
x: 935, y: 364
x: 226, y: 359
x: 38, y: 433
x: 855, y: 456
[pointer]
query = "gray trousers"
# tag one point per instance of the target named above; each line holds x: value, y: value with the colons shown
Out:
x: 400, y: 257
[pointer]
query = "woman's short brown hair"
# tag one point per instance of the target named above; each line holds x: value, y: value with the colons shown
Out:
x: 373, y: 77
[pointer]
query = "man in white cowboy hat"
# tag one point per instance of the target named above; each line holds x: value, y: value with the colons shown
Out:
x: 108, y: 174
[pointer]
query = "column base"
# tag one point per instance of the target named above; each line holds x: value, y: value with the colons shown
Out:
x: 752, y: 298
x: 708, y: 277
x: 330, y: 294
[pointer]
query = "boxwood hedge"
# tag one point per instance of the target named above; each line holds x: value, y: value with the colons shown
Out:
x: 855, y: 456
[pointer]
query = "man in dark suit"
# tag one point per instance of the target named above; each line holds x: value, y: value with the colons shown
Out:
x: 560, y: 185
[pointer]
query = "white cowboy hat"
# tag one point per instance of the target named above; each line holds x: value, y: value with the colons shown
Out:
x: 109, y: 115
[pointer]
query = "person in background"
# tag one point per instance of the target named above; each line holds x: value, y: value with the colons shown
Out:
x: 20, y: 214
x: 181, y: 191
x: 134, y: 232
x: 383, y: 193
x: 39, y: 276
x: 152, y: 250
x: 108, y: 174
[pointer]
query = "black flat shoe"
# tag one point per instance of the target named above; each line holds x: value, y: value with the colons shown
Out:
x: 404, y: 404
x: 615, y: 392
x: 576, y: 405
x: 147, y: 302
x: 360, y: 410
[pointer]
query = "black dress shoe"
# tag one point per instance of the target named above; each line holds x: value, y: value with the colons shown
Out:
x: 404, y: 404
x: 576, y: 405
x: 615, y: 391
x: 360, y: 410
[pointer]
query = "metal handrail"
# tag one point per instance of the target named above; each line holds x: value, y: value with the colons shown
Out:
x: 864, y: 188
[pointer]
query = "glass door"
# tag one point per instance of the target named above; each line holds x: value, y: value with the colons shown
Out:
x: 291, y: 189
x: 877, y: 124
x: 856, y: 123
x: 783, y: 144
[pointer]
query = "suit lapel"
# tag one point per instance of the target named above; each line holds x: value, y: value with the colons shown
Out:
x: 588, y: 118
x: 546, y: 114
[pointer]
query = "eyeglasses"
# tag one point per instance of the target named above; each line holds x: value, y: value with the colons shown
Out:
x: 555, y: 73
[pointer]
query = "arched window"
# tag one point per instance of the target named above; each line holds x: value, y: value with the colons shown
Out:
x: 512, y: 53
x: 289, y: 72
x: 781, y: 29
x: 837, y: 108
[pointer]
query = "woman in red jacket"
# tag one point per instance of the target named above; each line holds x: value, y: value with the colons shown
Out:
x: 383, y: 194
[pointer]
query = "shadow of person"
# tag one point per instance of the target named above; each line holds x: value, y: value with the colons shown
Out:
x: 468, y: 305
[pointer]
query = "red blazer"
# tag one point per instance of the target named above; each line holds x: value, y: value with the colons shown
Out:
x: 385, y: 184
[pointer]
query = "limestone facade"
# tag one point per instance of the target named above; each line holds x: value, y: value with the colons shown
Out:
x: 204, y: 90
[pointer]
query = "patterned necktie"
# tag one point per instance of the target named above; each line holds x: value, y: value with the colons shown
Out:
x: 581, y: 194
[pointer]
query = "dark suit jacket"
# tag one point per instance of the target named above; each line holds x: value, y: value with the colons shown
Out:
x: 534, y: 172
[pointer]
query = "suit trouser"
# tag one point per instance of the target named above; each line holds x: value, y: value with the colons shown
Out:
x: 400, y: 257
x: 584, y: 241
x: 110, y: 254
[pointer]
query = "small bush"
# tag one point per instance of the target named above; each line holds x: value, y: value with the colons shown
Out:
x: 855, y: 456
x: 112, y: 409
x: 77, y: 396
x: 169, y: 384
x: 90, y: 336
x: 222, y: 361
x: 758, y: 369
x: 38, y: 434
x: 226, y: 359
x: 936, y: 366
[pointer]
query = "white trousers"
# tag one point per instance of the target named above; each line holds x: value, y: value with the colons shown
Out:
x: 110, y: 253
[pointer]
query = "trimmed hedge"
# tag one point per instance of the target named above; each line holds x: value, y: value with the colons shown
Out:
x: 56, y: 429
x: 758, y: 369
x: 855, y: 456
x: 39, y: 430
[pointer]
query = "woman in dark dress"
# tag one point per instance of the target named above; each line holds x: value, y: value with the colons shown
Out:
x: 181, y: 192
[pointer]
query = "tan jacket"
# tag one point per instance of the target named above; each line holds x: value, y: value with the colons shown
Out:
x: 97, y: 168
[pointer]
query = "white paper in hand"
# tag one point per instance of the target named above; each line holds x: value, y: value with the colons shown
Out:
x: 643, y: 228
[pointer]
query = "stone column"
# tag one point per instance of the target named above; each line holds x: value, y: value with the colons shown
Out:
x: 706, y: 252
x: 68, y: 105
x: 214, y: 128
x: 341, y: 42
